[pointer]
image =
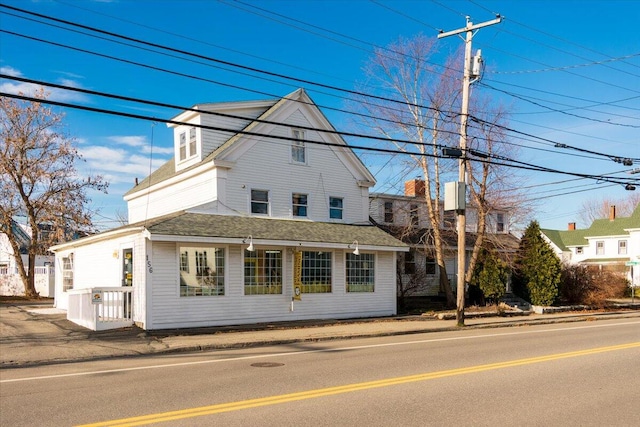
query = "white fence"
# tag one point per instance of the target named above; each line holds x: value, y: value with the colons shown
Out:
x: 11, y: 282
x: 100, y: 309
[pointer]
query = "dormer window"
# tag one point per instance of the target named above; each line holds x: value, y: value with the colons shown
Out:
x: 192, y: 142
x: 188, y: 150
x: 298, y: 149
x: 183, y: 145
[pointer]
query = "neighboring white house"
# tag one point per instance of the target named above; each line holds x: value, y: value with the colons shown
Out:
x: 612, y: 243
x: 10, y: 281
x: 406, y: 216
x: 255, y: 224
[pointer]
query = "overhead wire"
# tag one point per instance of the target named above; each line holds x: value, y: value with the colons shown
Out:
x: 555, y: 110
x: 515, y: 163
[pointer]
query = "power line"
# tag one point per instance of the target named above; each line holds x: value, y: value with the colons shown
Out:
x: 516, y: 164
x: 559, y: 111
x: 220, y: 61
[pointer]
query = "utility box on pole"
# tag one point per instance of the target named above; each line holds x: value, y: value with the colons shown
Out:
x: 455, y: 196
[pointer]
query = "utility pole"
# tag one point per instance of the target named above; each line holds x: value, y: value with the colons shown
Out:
x: 462, y: 162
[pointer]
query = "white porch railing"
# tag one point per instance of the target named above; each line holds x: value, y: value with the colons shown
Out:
x: 112, y: 310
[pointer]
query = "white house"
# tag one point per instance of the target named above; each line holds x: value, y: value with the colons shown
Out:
x: 612, y: 243
x: 406, y: 216
x: 249, y: 222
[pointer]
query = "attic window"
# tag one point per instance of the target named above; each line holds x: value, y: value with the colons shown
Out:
x: 192, y: 142
x: 298, y: 150
x: 183, y: 145
x: 187, y: 151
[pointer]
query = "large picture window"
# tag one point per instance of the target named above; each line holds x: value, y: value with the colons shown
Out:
x: 316, y: 272
x: 360, y: 272
x: 262, y: 272
x: 201, y: 271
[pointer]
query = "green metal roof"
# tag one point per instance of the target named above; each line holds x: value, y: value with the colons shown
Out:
x: 599, y: 228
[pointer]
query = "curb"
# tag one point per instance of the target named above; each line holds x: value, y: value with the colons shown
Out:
x: 257, y: 343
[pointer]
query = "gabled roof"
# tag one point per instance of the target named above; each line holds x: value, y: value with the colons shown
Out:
x: 599, y: 228
x: 168, y: 170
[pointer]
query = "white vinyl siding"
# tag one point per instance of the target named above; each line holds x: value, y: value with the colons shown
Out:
x: 169, y: 310
x: 268, y: 162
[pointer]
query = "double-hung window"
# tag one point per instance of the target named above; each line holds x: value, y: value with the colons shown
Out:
x: 360, y: 272
x: 67, y: 273
x: 388, y: 211
x: 298, y: 149
x: 409, y: 262
x: 622, y: 247
x: 335, y: 207
x: 183, y: 145
x: 500, y: 223
x: 413, y: 215
x: 192, y: 141
x: 202, y: 271
x: 260, y: 202
x: 299, y: 204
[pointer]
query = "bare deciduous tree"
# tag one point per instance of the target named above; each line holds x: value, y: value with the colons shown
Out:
x: 599, y: 208
x: 39, y: 181
x: 427, y: 118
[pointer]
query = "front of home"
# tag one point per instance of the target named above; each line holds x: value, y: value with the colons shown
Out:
x: 611, y: 243
x: 261, y: 216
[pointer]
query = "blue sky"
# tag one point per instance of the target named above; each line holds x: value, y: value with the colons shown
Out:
x: 579, y: 57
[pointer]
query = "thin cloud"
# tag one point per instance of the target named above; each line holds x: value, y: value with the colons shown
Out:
x: 30, y: 89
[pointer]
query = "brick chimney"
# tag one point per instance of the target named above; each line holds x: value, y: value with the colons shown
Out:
x: 612, y: 212
x: 414, y: 187
x: 572, y: 226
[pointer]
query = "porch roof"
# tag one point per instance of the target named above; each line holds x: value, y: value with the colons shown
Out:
x: 187, y: 224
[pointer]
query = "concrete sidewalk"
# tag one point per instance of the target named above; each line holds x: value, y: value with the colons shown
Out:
x: 32, y: 334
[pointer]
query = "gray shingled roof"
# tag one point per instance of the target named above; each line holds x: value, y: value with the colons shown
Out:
x: 206, y: 225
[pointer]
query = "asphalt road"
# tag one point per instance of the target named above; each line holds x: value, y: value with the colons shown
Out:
x: 585, y: 374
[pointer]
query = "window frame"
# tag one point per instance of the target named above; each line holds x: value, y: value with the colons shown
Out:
x: 206, y: 271
x: 193, y: 142
x: 414, y: 214
x: 255, y: 202
x: 388, y: 211
x: 67, y: 272
x: 182, y: 146
x: 409, y: 259
x: 500, y: 228
x: 339, y: 209
x: 362, y: 270
x: 623, y: 247
x: 298, y: 147
x: 579, y: 250
x: 300, y: 205
x: 264, y: 261
x: 321, y: 281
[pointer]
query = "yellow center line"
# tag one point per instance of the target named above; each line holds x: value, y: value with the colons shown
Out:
x: 329, y: 391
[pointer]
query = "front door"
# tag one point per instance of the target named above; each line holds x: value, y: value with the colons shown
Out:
x: 127, y: 267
